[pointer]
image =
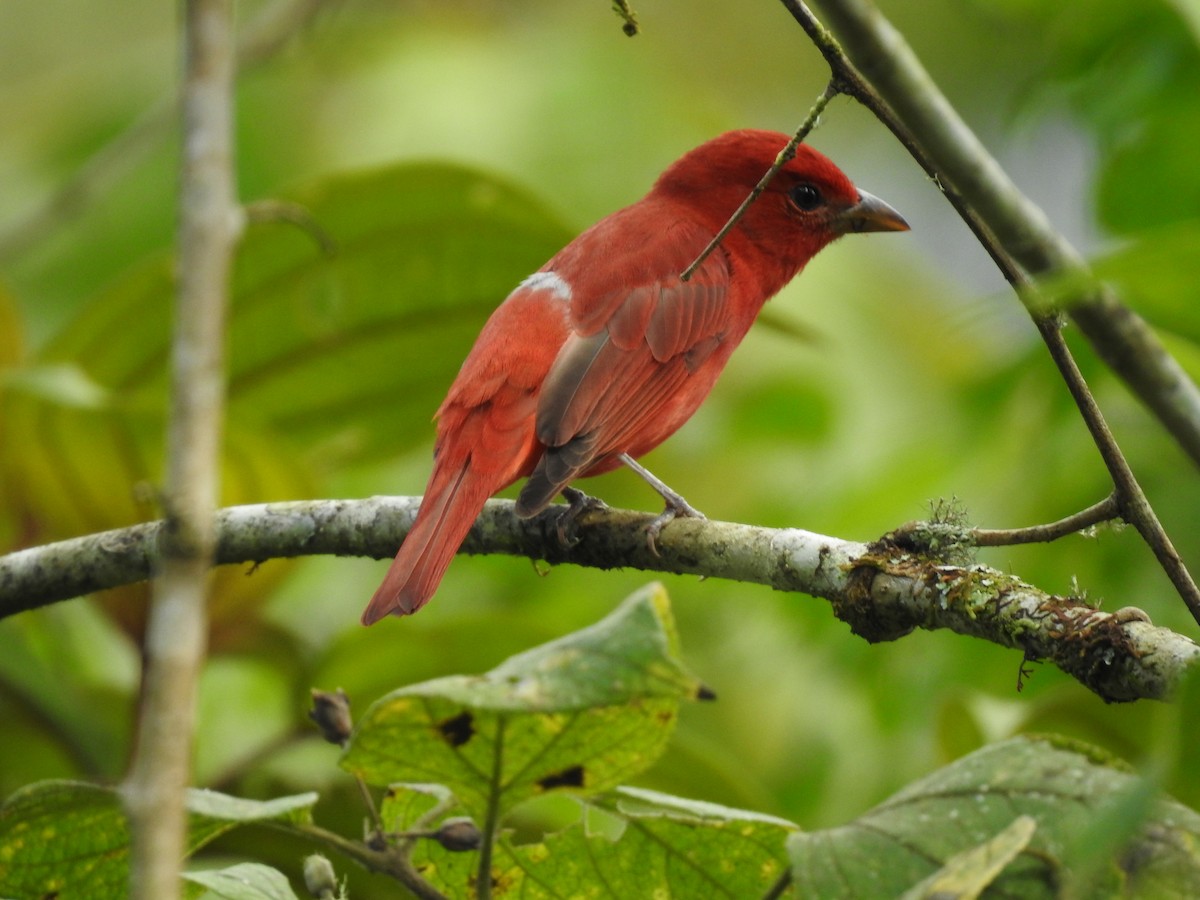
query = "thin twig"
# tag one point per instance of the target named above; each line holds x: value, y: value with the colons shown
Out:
x: 780, y: 887
x: 372, y: 810
x: 1016, y: 235
x: 483, y: 881
x: 781, y: 159
x: 1131, y: 499
x: 387, y: 862
x: 1104, y: 511
x: 272, y: 210
x: 209, y: 223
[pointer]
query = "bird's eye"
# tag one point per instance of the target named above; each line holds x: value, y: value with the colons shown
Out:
x: 806, y: 196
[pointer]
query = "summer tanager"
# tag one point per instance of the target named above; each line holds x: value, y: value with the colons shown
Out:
x: 604, y: 352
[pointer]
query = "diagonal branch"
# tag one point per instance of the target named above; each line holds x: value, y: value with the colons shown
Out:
x: 883, y: 591
x: 893, y: 85
x: 943, y: 144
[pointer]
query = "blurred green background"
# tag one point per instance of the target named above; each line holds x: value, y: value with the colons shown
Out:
x: 894, y: 372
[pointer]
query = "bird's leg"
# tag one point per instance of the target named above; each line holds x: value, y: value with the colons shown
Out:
x: 577, y: 503
x: 676, y: 505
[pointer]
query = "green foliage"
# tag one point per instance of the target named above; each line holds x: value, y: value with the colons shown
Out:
x: 890, y: 374
x: 407, y: 284
x: 245, y: 881
x: 1054, y: 814
x: 578, y: 715
x: 598, y: 707
x: 404, y: 279
x: 69, y: 839
x: 1131, y: 71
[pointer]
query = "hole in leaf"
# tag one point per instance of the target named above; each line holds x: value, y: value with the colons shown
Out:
x: 569, y: 777
x: 458, y: 729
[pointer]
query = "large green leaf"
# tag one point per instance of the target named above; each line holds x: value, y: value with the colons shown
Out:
x: 1096, y: 825
x: 349, y: 350
x: 245, y: 881
x: 71, y: 840
x: 330, y: 358
x: 584, y: 712
x: 632, y: 843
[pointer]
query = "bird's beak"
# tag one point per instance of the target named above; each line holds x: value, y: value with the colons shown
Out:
x: 870, y: 214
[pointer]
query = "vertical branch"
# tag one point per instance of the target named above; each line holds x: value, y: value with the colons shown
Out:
x: 209, y: 223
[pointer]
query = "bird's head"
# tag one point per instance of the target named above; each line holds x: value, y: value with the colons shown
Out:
x: 808, y: 204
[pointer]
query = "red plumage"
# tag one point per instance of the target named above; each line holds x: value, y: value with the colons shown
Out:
x: 606, y: 351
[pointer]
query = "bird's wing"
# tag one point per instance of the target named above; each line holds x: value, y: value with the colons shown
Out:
x: 616, y: 381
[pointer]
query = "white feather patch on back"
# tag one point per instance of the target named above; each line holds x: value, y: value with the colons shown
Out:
x: 548, y: 281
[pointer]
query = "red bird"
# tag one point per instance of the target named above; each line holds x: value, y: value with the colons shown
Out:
x: 605, y: 351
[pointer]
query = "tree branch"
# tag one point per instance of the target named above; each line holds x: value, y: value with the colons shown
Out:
x: 891, y: 82
x: 883, y: 590
x: 209, y: 225
x: 950, y: 152
x: 1106, y: 510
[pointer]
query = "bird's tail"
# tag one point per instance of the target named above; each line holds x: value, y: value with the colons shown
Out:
x: 453, y: 499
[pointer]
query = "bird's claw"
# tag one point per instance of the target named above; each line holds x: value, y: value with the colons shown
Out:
x: 578, y: 503
x: 676, y: 508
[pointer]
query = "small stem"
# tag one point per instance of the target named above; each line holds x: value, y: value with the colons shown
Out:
x: 777, y: 890
x: 831, y: 90
x: 1135, y: 508
x: 483, y: 882
x: 629, y: 21
x: 388, y: 862
x: 293, y: 214
x: 369, y: 801
x: 1104, y: 511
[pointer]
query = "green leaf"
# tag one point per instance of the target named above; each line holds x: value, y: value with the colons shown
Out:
x: 650, y: 845
x: 214, y: 809
x: 93, y: 456
x: 69, y: 839
x: 246, y: 881
x: 345, y: 352
x: 63, y: 839
x: 940, y: 820
x: 404, y: 805
x: 965, y: 875
x: 584, y: 713
x: 331, y: 360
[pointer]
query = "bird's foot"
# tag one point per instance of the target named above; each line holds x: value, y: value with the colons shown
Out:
x: 676, y: 505
x: 676, y: 508
x: 578, y: 503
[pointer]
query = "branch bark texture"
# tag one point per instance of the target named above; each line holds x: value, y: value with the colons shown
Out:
x: 209, y: 225
x: 882, y: 590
